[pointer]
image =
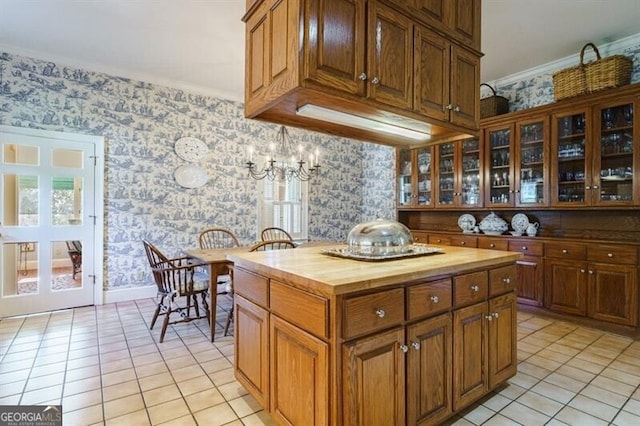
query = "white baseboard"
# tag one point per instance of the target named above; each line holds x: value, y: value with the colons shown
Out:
x: 127, y: 294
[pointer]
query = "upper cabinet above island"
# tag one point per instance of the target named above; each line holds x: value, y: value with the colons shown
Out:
x: 357, y: 68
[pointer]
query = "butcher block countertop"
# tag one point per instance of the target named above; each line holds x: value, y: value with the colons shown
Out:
x: 308, y: 268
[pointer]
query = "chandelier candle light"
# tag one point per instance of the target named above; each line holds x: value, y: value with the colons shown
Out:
x: 286, y: 165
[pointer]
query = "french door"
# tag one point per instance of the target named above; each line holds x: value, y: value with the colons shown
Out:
x: 50, y: 220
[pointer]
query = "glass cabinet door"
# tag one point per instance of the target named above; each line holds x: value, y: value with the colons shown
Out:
x: 570, y: 171
x: 613, y: 164
x: 424, y: 176
x: 470, y: 179
x: 500, y: 174
x: 405, y: 181
x: 532, y: 180
x: 446, y: 174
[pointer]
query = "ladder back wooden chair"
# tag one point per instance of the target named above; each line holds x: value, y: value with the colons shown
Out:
x: 176, y: 279
x: 217, y: 238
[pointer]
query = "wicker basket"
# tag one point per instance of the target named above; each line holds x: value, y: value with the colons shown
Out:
x: 613, y: 71
x: 493, y: 105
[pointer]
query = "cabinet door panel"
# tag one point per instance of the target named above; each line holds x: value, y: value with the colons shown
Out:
x: 465, y: 88
x: 613, y: 293
x: 432, y: 57
x: 335, y: 54
x: 566, y: 286
x: 429, y: 370
x: 373, y: 380
x: 257, y: 62
x: 529, y: 282
x: 390, y: 57
x: 299, y: 376
x: 469, y: 354
x: 251, y: 365
x: 503, y: 359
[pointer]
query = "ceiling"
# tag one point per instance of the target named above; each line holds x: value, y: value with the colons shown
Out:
x: 199, y: 44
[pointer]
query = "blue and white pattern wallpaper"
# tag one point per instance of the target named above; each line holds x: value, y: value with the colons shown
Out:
x: 141, y: 123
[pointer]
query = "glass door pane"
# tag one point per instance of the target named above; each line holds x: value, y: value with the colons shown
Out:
x: 500, y: 166
x: 615, y: 168
x: 531, y: 163
x: 470, y: 185
x: 424, y: 176
x: 446, y: 174
x: 571, y: 158
x: 405, y: 183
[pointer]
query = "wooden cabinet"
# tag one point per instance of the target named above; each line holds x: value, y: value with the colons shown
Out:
x: 530, y: 269
x: 371, y: 58
x: 498, y: 170
x: 251, y: 337
x: 414, y: 178
x: 299, y: 396
x: 458, y: 180
x: 531, y: 173
x: 373, y: 380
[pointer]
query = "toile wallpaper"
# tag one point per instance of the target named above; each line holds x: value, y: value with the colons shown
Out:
x: 142, y: 121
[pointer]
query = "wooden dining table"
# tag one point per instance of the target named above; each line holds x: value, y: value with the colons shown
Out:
x: 218, y: 263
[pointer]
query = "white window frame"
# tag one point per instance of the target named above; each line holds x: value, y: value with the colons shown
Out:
x: 284, y: 203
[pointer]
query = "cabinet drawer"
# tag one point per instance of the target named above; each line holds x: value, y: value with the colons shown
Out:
x: 624, y: 255
x: 251, y: 286
x: 470, y: 288
x: 420, y: 237
x: 464, y: 241
x: 429, y: 298
x: 562, y: 250
x: 365, y: 314
x: 308, y: 311
x: 531, y: 248
x: 493, y: 243
x: 440, y: 239
x: 502, y: 280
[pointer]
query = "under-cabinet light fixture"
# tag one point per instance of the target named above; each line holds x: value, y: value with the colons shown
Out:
x: 339, y: 117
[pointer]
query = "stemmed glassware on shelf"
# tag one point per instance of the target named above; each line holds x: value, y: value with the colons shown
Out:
x: 627, y: 113
x: 608, y: 116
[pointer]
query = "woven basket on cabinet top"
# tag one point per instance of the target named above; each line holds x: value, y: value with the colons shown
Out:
x: 613, y: 71
x: 493, y: 105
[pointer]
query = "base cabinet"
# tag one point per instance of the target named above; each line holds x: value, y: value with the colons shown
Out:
x: 613, y: 293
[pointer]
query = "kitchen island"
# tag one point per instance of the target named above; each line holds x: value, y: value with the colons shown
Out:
x: 326, y: 340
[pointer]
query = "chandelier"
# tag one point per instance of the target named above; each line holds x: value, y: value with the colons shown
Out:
x: 281, y: 162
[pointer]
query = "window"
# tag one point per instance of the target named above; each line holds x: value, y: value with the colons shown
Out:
x: 284, y: 203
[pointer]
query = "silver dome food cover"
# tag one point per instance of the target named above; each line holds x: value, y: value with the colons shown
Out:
x: 379, y: 237
x: 380, y: 240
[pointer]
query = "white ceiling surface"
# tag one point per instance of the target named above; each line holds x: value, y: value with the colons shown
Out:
x: 198, y: 45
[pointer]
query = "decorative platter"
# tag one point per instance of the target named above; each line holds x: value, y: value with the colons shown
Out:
x: 466, y: 222
x: 519, y: 222
x: 191, y: 149
x: 190, y: 176
x: 414, y: 250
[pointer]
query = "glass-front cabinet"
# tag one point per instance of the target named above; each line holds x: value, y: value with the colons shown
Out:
x: 570, y: 169
x: 459, y: 179
x: 614, y: 157
x: 414, y: 177
x: 593, y: 156
x: 499, y: 166
x: 532, y: 178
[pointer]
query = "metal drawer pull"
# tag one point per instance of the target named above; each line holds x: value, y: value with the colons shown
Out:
x: 489, y: 318
x: 492, y: 245
x: 463, y: 243
x: 380, y: 313
x: 524, y: 248
x: 609, y: 254
x: 506, y: 280
x: 495, y: 315
x: 475, y: 288
x: 416, y: 346
x: 404, y: 348
x: 434, y: 299
x: 583, y: 271
x: 564, y: 251
x: 362, y: 76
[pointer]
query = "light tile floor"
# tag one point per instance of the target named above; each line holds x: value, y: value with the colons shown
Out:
x: 105, y: 366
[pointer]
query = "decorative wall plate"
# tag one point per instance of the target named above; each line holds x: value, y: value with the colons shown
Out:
x: 190, y: 176
x: 191, y: 149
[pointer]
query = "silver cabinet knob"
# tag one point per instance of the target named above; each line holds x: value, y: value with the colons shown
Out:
x: 380, y: 313
x: 609, y: 255
x: 583, y: 271
x: 595, y: 187
x: 587, y: 187
x: 463, y: 243
x: 564, y: 251
x: 489, y: 318
x: 416, y: 346
x: 404, y: 348
x: 449, y: 107
x: 590, y: 272
x: 525, y: 248
x: 495, y: 315
x: 506, y: 280
x: 362, y: 76
x: 457, y: 108
x: 492, y: 245
x: 475, y: 288
x: 434, y: 299
x: 375, y: 80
